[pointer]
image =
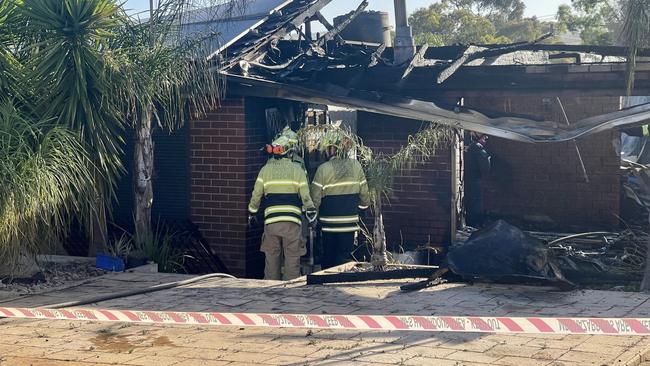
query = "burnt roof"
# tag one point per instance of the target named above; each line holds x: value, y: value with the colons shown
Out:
x: 330, y: 70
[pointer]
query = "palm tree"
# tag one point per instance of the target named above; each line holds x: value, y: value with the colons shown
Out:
x: 636, y: 32
x: 382, y: 169
x: 99, y: 70
x: 64, y: 48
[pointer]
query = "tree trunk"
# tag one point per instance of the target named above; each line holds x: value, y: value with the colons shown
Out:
x: 98, y: 226
x: 645, y: 284
x: 98, y: 232
x: 143, y: 166
x: 379, y: 257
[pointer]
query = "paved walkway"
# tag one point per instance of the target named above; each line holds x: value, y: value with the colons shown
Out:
x: 47, y: 342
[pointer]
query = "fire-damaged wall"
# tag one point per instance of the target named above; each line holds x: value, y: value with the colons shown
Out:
x: 225, y: 159
x: 542, y: 186
x: 419, y: 211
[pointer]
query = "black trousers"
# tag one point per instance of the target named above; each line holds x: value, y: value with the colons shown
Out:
x: 475, y: 216
x: 336, y: 248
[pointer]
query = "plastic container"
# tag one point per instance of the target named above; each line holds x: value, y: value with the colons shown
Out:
x: 109, y: 263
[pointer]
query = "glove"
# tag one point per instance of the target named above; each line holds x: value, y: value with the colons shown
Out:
x: 252, y: 221
x: 311, y: 216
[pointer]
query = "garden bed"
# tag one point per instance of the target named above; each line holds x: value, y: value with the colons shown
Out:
x: 55, y: 272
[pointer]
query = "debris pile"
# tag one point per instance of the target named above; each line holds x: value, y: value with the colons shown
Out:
x: 601, y: 258
x: 633, y: 248
x: 501, y: 252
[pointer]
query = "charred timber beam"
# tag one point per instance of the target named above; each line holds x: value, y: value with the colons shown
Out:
x: 283, y: 28
x: 596, y: 79
x: 339, y: 28
x: 451, y: 52
x: 417, y: 60
x: 376, y: 56
x: 576, y: 56
x: 475, y: 52
x: 451, y: 69
x: 319, y: 16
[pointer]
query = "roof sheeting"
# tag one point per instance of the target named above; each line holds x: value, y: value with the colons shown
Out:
x: 231, y: 20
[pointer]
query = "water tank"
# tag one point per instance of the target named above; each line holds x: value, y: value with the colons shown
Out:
x: 369, y: 26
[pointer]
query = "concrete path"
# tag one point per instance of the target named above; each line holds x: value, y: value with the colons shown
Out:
x: 31, y: 342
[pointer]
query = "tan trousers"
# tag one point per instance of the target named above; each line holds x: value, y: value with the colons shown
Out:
x: 282, y: 239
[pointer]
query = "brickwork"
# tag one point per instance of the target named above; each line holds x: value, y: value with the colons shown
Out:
x: 419, y: 210
x: 539, y: 184
x: 224, y: 159
x: 542, y: 185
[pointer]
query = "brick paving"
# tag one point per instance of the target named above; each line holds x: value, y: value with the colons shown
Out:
x: 46, y: 342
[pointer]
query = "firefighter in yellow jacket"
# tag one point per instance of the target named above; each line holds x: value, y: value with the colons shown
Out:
x: 339, y: 191
x: 282, y: 185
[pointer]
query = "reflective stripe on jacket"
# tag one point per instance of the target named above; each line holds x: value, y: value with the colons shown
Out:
x: 339, y: 190
x: 283, y: 187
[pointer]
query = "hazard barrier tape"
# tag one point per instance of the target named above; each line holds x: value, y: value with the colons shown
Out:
x: 603, y: 326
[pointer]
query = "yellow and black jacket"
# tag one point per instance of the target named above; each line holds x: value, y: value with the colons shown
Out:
x: 283, y: 186
x: 339, y: 190
x: 638, y: 131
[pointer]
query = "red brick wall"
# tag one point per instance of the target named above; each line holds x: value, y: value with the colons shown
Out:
x: 225, y: 157
x: 419, y: 210
x: 532, y: 183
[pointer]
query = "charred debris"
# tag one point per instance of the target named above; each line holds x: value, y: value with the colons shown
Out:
x: 280, y: 58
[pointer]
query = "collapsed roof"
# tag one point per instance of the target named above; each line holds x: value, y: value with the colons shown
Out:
x: 257, y: 59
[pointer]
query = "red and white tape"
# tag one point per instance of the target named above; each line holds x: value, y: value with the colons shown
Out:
x: 603, y: 326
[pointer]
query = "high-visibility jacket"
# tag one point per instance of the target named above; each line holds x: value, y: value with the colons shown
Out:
x: 639, y: 131
x: 339, y: 190
x: 283, y: 187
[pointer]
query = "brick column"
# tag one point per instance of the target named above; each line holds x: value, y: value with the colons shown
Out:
x: 225, y: 158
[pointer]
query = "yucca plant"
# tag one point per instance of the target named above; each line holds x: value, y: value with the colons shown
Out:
x: 90, y: 70
x: 46, y: 178
x: 97, y: 70
x: 381, y: 169
x: 70, y: 73
x: 9, y: 66
x: 46, y: 174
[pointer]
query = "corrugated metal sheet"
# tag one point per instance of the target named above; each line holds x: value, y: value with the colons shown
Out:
x: 230, y: 21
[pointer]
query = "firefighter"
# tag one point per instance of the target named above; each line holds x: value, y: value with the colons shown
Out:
x: 477, y: 166
x: 638, y: 131
x: 282, y: 185
x: 339, y: 191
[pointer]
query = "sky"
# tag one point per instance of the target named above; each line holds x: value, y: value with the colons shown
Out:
x: 545, y: 9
